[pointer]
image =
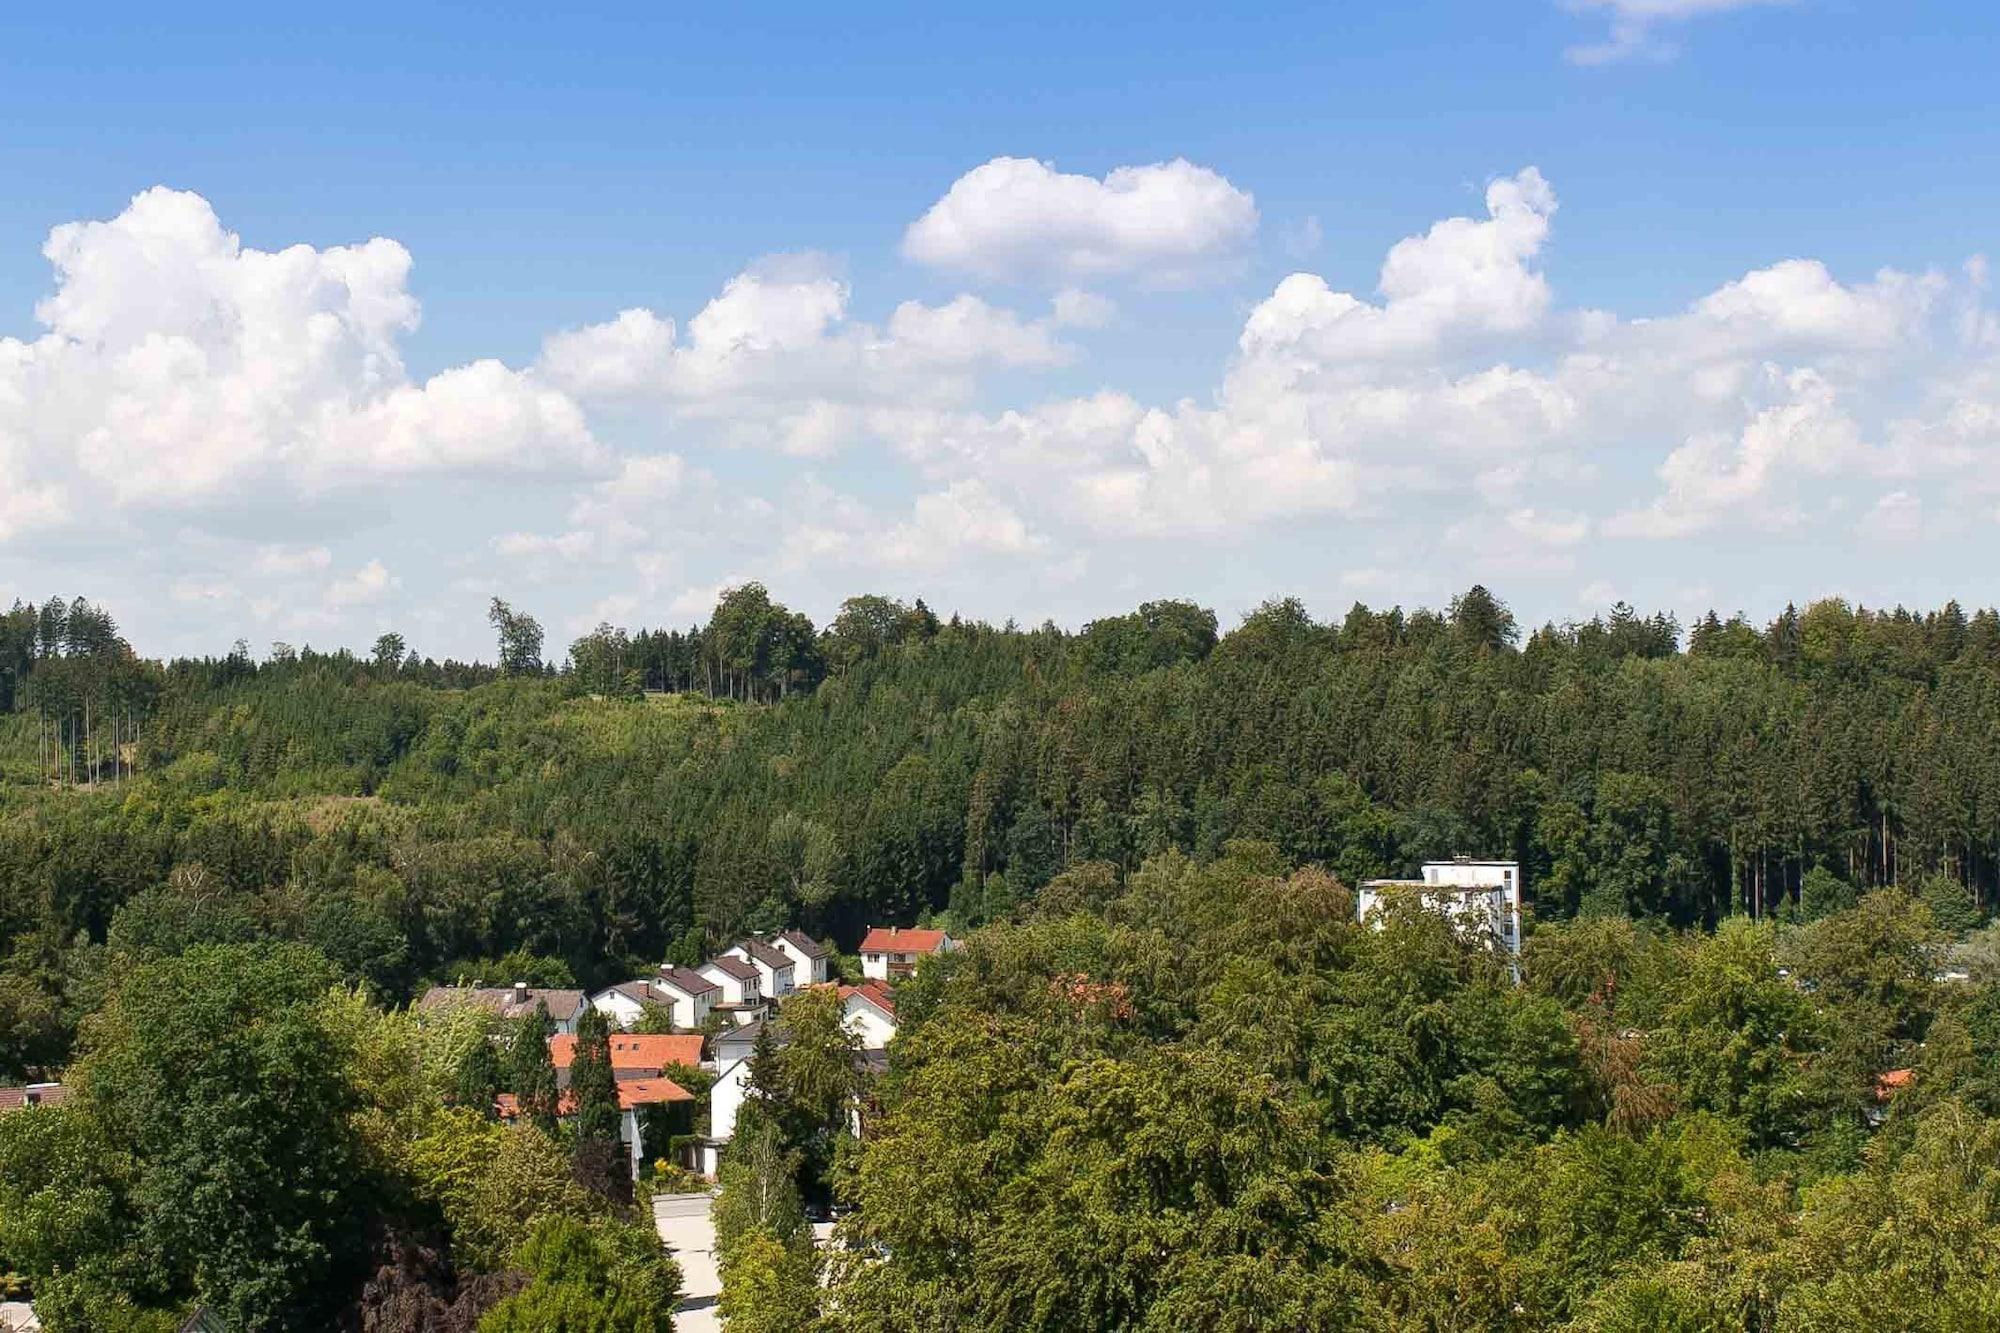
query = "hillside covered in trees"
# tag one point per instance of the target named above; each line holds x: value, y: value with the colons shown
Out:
x: 1169, y: 1084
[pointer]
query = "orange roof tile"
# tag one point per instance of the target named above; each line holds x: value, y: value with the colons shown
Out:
x: 875, y: 992
x: 631, y: 1092
x: 636, y: 1050
x: 894, y: 939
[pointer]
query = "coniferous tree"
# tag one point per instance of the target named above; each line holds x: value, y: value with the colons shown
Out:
x: 533, y: 1073
x: 592, y: 1082
x: 479, y: 1077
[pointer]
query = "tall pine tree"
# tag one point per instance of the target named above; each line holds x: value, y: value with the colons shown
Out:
x: 533, y: 1072
x: 591, y: 1081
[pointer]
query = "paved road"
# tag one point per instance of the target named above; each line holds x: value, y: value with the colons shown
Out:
x: 684, y: 1225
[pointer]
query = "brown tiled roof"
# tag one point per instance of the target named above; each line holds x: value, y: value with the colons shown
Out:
x: 735, y: 967
x: 636, y: 1050
x: 687, y: 980
x: 642, y: 990
x: 765, y: 954
x: 804, y: 943
x: 905, y: 939
x: 563, y: 1004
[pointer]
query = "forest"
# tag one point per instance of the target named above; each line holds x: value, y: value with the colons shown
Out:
x: 1745, y: 1082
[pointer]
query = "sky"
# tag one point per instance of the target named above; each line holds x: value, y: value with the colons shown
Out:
x: 319, y: 324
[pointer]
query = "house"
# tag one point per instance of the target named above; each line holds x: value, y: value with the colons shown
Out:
x: 34, y: 1094
x: 808, y: 956
x: 773, y: 965
x: 725, y: 1098
x: 624, y: 1003
x: 511, y: 1002
x: 870, y: 1013
x: 18, y: 1317
x: 640, y: 1063
x: 635, y: 1054
x: 1481, y: 897
x: 687, y: 993
x: 633, y: 1093
x: 1887, y: 1085
x: 890, y: 953
x: 740, y: 981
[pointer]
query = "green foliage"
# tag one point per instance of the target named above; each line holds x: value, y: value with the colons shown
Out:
x: 1170, y: 1083
x: 219, y: 1073
x: 590, y: 1277
x: 771, y: 1286
x: 531, y: 1071
x: 591, y: 1081
x: 803, y: 1084
x: 1951, y: 904
x: 1735, y: 1033
x: 1823, y: 893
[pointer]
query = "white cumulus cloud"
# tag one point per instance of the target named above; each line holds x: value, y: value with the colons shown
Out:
x: 1015, y: 217
x: 181, y: 367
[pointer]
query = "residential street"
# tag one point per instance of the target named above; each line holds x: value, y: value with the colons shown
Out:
x: 684, y: 1226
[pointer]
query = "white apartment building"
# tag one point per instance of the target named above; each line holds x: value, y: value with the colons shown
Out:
x: 1479, y: 896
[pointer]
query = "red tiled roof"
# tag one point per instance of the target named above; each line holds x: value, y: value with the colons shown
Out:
x: 35, y: 1094
x: 875, y: 992
x: 650, y: 1092
x: 631, y: 1092
x: 1893, y: 1081
x: 893, y: 939
x: 636, y: 1050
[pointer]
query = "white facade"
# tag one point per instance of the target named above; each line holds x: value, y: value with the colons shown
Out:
x: 690, y: 1003
x: 619, y: 1007
x: 732, y: 1083
x: 807, y: 969
x: 774, y: 968
x: 872, y: 1025
x: 735, y: 989
x: 1479, y: 896
x: 891, y: 955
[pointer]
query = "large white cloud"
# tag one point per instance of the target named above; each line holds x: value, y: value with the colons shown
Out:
x: 1015, y: 217
x: 180, y: 366
x: 775, y: 360
x: 1464, y: 390
x: 1457, y: 420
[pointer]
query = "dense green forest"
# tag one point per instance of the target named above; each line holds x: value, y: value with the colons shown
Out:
x: 1170, y: 1084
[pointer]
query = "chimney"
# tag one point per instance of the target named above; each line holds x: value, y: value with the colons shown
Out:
x: 520, y: 992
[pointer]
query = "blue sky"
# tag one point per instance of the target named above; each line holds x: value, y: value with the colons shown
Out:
x: 1551, y: 408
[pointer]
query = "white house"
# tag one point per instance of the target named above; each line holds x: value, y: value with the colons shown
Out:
x: 773, y: 965
x: 688, y: 993
x: 741, y: 982
x: 808, y: 956
x: 732, y: 1079
x: 870, y: 1013
x: 624, y: 1002
x: 1479, y: 896
x: 511, y: 1002
x: 890, y: 953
